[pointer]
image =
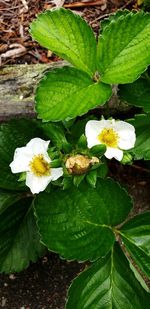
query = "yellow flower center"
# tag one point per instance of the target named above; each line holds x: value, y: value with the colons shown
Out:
x: 109, y: 137
x: 39, y: 166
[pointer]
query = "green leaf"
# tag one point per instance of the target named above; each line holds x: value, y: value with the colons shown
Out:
x: 124, y: 48
x: 77, y: 179
x: 146, y: 4
x: 91, y: 178
x: 108, y: 283
x: 16, y: 133
x: 82, y: 142
x: 7, y: 198
x: 22, y: 176
x: 67, y: 92
x: 81, y: 218
x: 113, y: 17
x: 67, y: 182
x: 19, y: 240
x: 136, y: 237
x: 55, y: 163
x: 139, y: 277
x: 78, y: 127
x: 56, y: 134
x: 98, y: 150
x: 68, y: 36
x: 141, y: 149
x: 137, y: 93
x: 102, y: 170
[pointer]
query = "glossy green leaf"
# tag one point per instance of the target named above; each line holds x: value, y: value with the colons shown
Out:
x: 77, y: 222
x: 7, y: 198
x: 91, y: 178
x: 102, y: 170
x: 19, y: 238
x: 113, y: 17
x: 16, y: 133
x: 98, y: 150
x: 82, y: 142
x: 108, y: 284
x: 78, y: 128
x: 137, y: 93
x: 141, y: 149
x: 77, y: 179
x: 124, y: 48
x: 56, y: 134
x: 67, y: 92
x: 138, y: 277
x: 68, y: 36
x: 136, y: 237
x: 146, y: 4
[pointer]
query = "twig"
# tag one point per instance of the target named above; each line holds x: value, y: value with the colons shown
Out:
x: 17, y: 51
x: 58, y: 3
x: 142, y: 169
x: 25, y: 4
x: 126, y: 4
x: 5, y: 2
x: 84, y: 4
x: 101, y: 17
x: 8, y: 9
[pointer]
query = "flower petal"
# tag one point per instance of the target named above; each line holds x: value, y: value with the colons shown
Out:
x: 94, y: 127
x: 126, y: 134
x: 37, y: 184
x: 38, y: 146
x: 123, y: 126
x: 114, y: 153
x: 20, y: 163
x: 92, y: 130
x: 56, y: 173
x: 128, y: 143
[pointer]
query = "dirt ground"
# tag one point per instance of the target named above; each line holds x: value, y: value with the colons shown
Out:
x: 44, y: 284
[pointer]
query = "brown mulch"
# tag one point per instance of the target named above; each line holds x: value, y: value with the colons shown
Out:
x: 16, y: 45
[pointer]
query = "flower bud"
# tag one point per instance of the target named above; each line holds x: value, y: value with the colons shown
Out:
x: 80, y: 164
x: 127, y: 158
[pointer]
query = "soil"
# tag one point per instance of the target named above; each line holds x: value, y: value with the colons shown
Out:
x: 44, y: 284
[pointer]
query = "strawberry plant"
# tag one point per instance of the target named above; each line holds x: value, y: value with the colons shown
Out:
x: 82, y: 214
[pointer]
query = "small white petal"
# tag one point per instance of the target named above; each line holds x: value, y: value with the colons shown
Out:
x: 37, y: 184
x: 20, y: 163
x: 92, y: 130
x: 46, y: 157
x: 126, y: 134
x: 123, y: 126
x: 127, y: 144
x: 92, y: 141
x: 38, y: 146
x: 56, y: 173
x: 114, y: 153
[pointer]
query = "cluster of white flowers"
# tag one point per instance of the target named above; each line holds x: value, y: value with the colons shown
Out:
x: 35, y: 161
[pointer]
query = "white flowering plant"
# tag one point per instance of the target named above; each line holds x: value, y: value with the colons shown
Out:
x: 56, y: 189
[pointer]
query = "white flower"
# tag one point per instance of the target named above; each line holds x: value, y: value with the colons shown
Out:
x: 116, y: 135
x: 35, y: 161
